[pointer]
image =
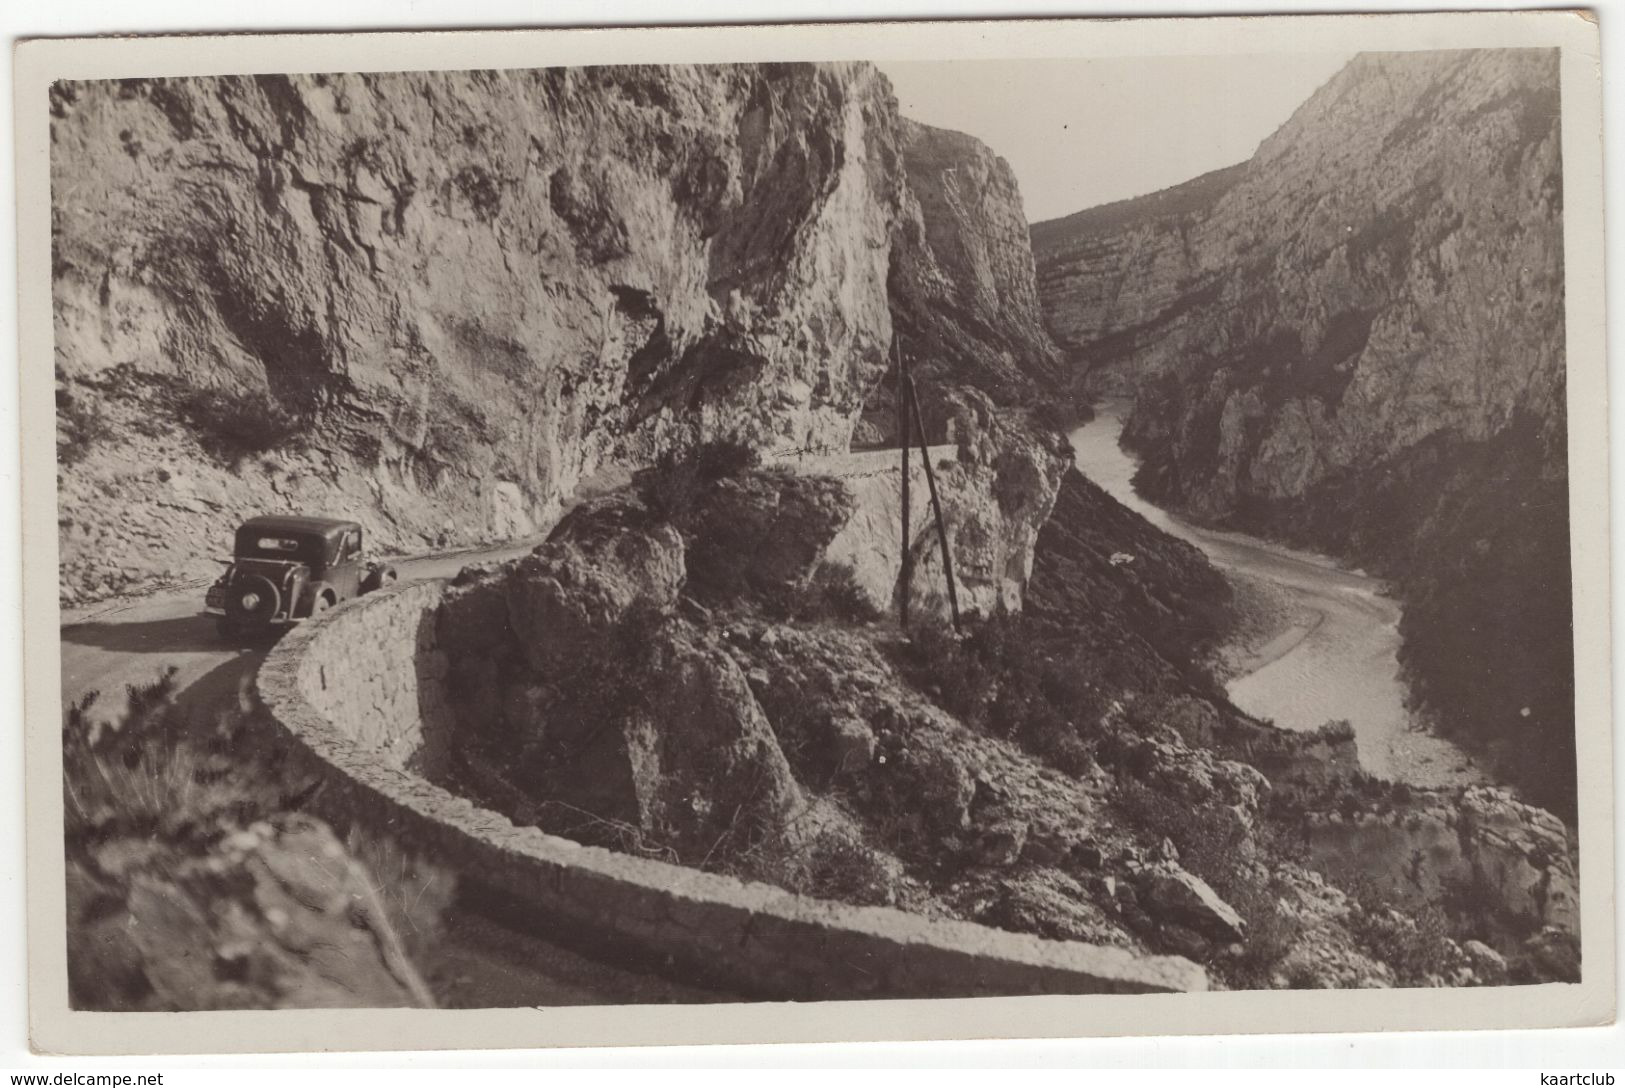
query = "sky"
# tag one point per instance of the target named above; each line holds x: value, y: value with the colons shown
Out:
x: 1079, y: 133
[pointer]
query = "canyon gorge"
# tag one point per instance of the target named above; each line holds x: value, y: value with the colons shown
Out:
x: 1354, y: 342
x: 648, y: 319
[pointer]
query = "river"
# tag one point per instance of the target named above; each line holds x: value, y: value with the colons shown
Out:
x: 1333, y: 650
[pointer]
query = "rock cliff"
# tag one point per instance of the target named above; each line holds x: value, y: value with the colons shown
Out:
x: 1483, y: 845
x: 1354, y: 340
x: 1116, y: 278
x: 435, y: 300
x: 998, y: 486
x: 963, y: 287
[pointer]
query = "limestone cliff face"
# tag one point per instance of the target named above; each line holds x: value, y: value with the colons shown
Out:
x: 963, y: 290
x: 1388, y: 266
x: 1117, y: 278
x: 435, y: 300
x: 1355, y: 340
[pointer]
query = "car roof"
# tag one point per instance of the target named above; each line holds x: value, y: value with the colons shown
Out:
x: 285, y: 523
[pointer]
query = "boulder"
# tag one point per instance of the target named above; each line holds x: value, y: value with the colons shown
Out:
x: 1172, y: 895
x: 762, y: 533
x: 473, y: 613
x: 939, y: 781
x: 1046, y: 845
x: 1488, y: 964
x: 852, y: 745
x: 604, y: 558
x: 1085, y: 854
x: 1001, y: 844
x: 691, y: 764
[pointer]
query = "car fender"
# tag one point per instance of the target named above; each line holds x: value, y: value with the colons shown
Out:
x: 379, y: 574
x: 313, y: 590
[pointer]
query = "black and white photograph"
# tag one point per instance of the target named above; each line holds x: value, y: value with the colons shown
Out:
x: 691, y: 533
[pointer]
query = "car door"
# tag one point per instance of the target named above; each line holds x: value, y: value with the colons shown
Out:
x: 345, y: 575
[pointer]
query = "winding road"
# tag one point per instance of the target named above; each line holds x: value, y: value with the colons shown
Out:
x: 1339, y: 663
x: 480, y: 962
x: 109, y: 647
x: 106, y: 648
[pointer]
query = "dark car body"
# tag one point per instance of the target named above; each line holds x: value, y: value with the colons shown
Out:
x: 285, y: 569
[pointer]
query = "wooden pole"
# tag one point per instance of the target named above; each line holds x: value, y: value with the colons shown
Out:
x: 906, y: 578
x: 936, y: 505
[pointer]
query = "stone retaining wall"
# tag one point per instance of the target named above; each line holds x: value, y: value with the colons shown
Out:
x: 359, y: 693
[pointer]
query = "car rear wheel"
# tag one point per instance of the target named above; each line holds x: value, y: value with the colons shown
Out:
x: 253, y: 601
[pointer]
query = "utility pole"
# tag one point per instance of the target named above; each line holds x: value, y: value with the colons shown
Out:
x: 906, y: 579
x: 936, y: 504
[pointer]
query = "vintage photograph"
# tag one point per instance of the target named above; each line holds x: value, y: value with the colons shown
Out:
x: 815, y: 530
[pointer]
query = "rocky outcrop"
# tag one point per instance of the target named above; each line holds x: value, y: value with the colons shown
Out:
x: 435, y: 300
x: 568, y: 597
x: 997, y: 486
x: 762, y: 534
x: 1355, y: 341
x: 962, y: 285
x: 702, y: 757
x: 274, y: 915
x: 604, y: 721
x: 1504, y: 857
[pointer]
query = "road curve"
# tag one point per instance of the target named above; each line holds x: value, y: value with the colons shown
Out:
x: 109, y: 647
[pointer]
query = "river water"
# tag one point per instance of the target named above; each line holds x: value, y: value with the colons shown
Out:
x: 1334, y: 653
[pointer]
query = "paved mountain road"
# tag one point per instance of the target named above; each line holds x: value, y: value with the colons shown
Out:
x: 107, y: 648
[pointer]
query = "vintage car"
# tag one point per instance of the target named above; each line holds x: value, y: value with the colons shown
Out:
x: 286, y: 569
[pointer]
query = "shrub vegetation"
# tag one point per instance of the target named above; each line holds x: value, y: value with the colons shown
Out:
x: 233, y: 424
x: 80, y: 426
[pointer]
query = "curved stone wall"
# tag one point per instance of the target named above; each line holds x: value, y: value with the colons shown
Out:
x: 359, y: 693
